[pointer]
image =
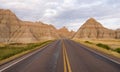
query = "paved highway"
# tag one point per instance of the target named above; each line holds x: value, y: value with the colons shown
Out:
x: 63, y: 56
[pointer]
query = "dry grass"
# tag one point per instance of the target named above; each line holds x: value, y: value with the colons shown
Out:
x: 2, y: 45
x: 11, y: 52
x: 112, y: 43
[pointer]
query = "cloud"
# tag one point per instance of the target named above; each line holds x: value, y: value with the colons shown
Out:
x: 50, y: 12
x: 111, y: 23
x: 70, y: 13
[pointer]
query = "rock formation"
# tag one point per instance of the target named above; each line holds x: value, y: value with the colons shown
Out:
x: 118, y: 33
x: 9, y: 24
x: 14, y: 30
x: 92, y: 29
x: 65, y: 33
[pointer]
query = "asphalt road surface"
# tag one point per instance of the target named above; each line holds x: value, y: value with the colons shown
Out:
x: 63, y: 56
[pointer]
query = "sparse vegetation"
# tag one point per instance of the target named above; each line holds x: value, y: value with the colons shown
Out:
x: 117, y: 50
x: 103, y: 46
x: 13, y: 49
x: 113, y: 46
x: 88, y: 42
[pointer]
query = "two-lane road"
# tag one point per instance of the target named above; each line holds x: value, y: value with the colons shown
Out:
x: 63, y: 56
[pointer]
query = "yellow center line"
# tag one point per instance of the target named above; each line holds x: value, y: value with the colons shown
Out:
x: 68, y: 63
x: 67, y: 67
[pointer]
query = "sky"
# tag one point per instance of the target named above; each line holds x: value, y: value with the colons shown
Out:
x: 69, y: 13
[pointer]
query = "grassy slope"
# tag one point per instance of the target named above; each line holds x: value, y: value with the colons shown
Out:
x: 12, y: 51
x: 92, y: 44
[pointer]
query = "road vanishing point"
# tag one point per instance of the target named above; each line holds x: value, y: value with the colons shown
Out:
x: 63, y: 55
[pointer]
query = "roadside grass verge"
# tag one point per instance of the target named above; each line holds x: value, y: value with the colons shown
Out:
x: 104, y: 46
x: 16, y: 50
x: 100, y: 47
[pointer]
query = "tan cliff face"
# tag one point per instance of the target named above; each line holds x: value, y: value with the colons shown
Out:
x: 92, y: 29
x: 44, y: 32
x: 9, y: 24
x: 118, y: 33
x: 13, y: 30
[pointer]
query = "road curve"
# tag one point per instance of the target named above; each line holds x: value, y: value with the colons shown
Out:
x: 62, y: 56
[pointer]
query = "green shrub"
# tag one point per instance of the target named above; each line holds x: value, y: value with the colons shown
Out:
x: 117, y: 50
x: 88, y: 42
x: 103, y: 46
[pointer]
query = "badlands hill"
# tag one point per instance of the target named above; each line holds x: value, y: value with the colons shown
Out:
x: 92, y: 29
x: 65, y: 33
x: 14, y: 30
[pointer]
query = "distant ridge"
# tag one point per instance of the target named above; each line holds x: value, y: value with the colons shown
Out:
x: 65, y: 33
